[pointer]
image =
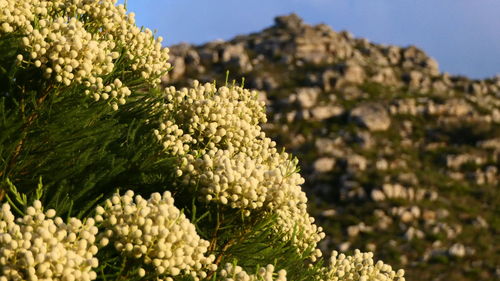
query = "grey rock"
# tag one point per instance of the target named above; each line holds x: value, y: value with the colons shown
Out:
x: 480, y: 222
x: 291, y: 22
x: 326, y: 111
x: 414, y: 79
x: 344, y: 247
x: 457, y: 250
x: 356, y: 162
x: 385, y: 76
x: 432, y: 66
x: 354, y: 74
x: 440, y: 86
x: 353, y: 230
x: 192, y: 58
x: 179, y: 68
x: 236, y: 56
x: 458, y: 107
x: 490, y: 144
x: 365, y: 139
x: 412, y: 233
x: 328, y: 213
x: 329, y: 79
x: 324, y: 164
x: 208, y: 56
x: 377, y: 195
x: 393, y: 53
x: 307, y: 97
x: 371, y: 115
x: 329, y: 146
x: 382, y: 164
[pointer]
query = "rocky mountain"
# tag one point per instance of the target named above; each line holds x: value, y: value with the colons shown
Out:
x: 399, y: 158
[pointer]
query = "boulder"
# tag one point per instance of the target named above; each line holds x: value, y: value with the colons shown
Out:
x: 385, y: 76
x: 297, y: 141
x: 291, y: 22
x: 457, y: 250
x: 429, y: 216
x: 393, y: 54
x: 456, y: 161
x: 324, y: 164
x: 326, y: 111
x: 413, y: 78
x: 377, y: 195
x: 439, y: 86
x: 307, y: 97
x: 356, y: 162
x: 329, y: 79
x: 371, y: 115
x: 480, y: 222
x: 179, y: 68
x: 489, y: 144
x: 354, y: 74
x: 236, y: 56
x: 353, y: 230
x: 329, y: 146
x: 208, y: 56
x: 192, y: 58
x: 382, y: 164
x: 328, y: 213
x: 290, y: 116
x: 344, y: 247
x: 412, y: 233
x: 365, y: 139
x: 458, y: 107
x: 432, y: 66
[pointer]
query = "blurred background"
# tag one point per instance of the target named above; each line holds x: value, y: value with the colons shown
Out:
x: 462, y: 35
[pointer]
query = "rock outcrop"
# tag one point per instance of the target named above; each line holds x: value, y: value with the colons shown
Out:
x: 373, y: 116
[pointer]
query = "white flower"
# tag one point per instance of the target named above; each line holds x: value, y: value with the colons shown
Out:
x: 216, y: 136
x: 40, y: 246
x: 156, y: 232
x: 360, y: 266
x: 77, y: 50
x: 236, y: 273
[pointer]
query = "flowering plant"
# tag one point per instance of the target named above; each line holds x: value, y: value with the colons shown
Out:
x: 82, y: 108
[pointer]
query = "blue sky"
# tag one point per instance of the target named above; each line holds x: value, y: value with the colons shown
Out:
x: 463, y: 35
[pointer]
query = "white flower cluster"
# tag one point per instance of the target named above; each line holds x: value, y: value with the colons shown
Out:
x: 204, y: 116
x: 40, y: 246
x: 236, y: 273
x: 216, y: 136
x: 80, y: 41
x: 360, y: 267
x: 157, y: 232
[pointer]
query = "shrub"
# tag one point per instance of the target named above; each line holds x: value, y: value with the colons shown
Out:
x: 83, y: 114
